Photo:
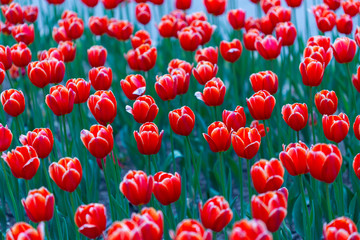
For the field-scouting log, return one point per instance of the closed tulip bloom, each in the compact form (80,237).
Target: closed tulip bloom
(339,228)
(204,72)
(90,3)
(266,26)
(23,33)
(59,34)
(133,86)
(312,72)
(140,37)
(261,105)
(30,13)
(266,80)
(209,54)
(266,5)
(267,175)
(91,220)
(110,4)
(260,127)
(356,165)
(318,53)
(271,208)
(269,48)
(120,29)
(190,39)
(13,102)
(14,72)
(167,187)
(148,139)
(336,127)
(39,205)
(2,73)
(74,27)
(50,54)
(68,49)
(325,20)
(97,56)
(137,187)
(215,7)
(55,2)
(236,18)
(218,137)
(60,100)
(333,4)
(190,229)
(234,119)
(99,140)
(66,173)
(20,55)
(26,231)
(5,57)
(142,58)
(13,13)
(6,138)
(287,32)
(326,102)
(103,106)
(143,13)
(98,25)
(182,80)
(150,222)
(254,228)
(250,38)
(166,87)
(23,162)
(168,26)
(295,115)
(177,63)
(246,142)
(344,49)
(126,229)
(57,70)
(356,80)
(68,14)
(100,78)
(39,73)
(216,213)
(81,89)
(182,4)
(357,36)
(231,51)
(292,157)
(205,29)
(213,93)
(356,127)
(41,139)
(294,3)
(324,162)
(344,24)
(350,7)
(182,121)
(144,109)
(279,14)
(252,23)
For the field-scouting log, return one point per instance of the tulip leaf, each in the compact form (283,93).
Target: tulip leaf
(298,216)
(3,220)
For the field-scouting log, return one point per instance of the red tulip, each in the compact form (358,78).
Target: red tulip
(250,38)
(339,228)
(50,54)
(215,7)
(168,26)
(269,48)
(350,7)
(344,24)
(74,27)
(150,222)
(177,63)
(111,4)
(218,137)
(234,119)
(120,29)
(204,72)
(60,100)
(182,121)
(287,32)
(6,138)
(182,80)
(143,13)
(266,80)
(66,173)
(68,14)
(336,127)
(324,162)
(333,4)
(144,109)
(279,14)
(142,58)
(157,2)
(5,57)
(99,140)
(267,175)
(261,105)
(326,102)
(41,139)
(97,56)
(133,86)
(137,187)
(166,87)
(55,2)
(325,20)
(236,18)
(91,220)
(356,127)
(13,102)
(20,54)
(213,93)
(14,72)
(292,157)
(312,72)
(190,229)
(295,115)
(57,70)
(344,49)
(100,78)
(231,51)
(23,33)
(183,4)
(271,208)
(2,73)
(13,13)
(205,29)
(140,37)
(252,23)
(26,231)
(246,142)
(103,106)
(90,3)
(356,162)
(126,229)
(293,3)
(209,54)
(98,25)
(68,50)
(266,5)
(254,228)
(196,16)
(167,187)
(39,205)
(59,34)
(81,89)
(318,53)
(190,39)
(266,26)
(260,127)
(148,139)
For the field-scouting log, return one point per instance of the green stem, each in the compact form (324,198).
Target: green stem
(27,187)
(73,206)
(306,220)
(241,188)
(312,115)
(171,142)
(298,136)
(149,164)
(330,215)
(65,135)
(18,125)
(155,163)
(8,77)
(222,175)
(108,189)
(58,226)
(196,168)
(268,140)
(248,167)
(352,87)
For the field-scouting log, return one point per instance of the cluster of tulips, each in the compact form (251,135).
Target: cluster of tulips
(299,187)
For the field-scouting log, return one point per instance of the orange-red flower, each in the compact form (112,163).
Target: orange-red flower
(266,26)
(356,165)
(133,86)
(39,73)
(100,78)
(340,228)
(287,32)
(190,38)
(99,140)
(167,187)
(292,157)
(183,4)
(148,139)
(13,13)
(182,121)
(137,187)
(126,229)
(81,89)
(51,53)
(356,80)
(218,137)
(260,127)
(68,49)
(90,3)
(336,127)
(120,29)
(103,106)
(177,63)
(294,3)
(140,37)
(190,229)
(250,38)
(333,4)
(236,18)
(215,7)
(318,53)
(98,25)
(143,13)
(325,19)
(13,102)
(97,56)
(246,142)
(5,57)
(356,127)
(66,173)
(213,93)
(41,139)
(60,100)
(312,72)
(344,49)
(231,51)
(26,231)
(209,54)
(252,23)
(74,27)
(269,47)
(324,162)
(254,228)
(266,80)
(261,105)
(2,73)
(110,4)
(279,14)
(142,58)
(59,34)
(91,220)
(39,205)
(344,24)
(295,115)
(234,119)
(166,87)
(168,26)
(144,109)
(205,29)
(266,5)
(23,33)
(267,175)
(5,138)
(350,7)
(205,71)
(326,102)
(57,70)
(150,222)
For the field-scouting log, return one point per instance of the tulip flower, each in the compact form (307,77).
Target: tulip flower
(137,187)
(142,58)
(252,23)
(336,127)
(23,230)
(148,139)
(318,53)
(356,127)
(2,73)
(57,70)
(295,115)
(250,38)
(143,13)
(356,80)
(81,89)
(269,47)
(13,102)
(231,51)
(14,72)
(167,187)
(91,220)
(68,14)
(356,165)
(266,26)
(150,222)
(97,56)
(326,102)
(6,138)
(333,4)
(215,7)
(266,5)
(344,24)
(166,87)
(99,140)
(103,105)
(120,29)
(133,86)
(236,18)
(266,80)
(140,37)
(287,32)
(41,139)
(260,127)
(20,55)
(101,78)
(60,100)
(279,14)
(234,119)
(357,36)
(209,54)
(68,49)
(255,228)
(213,93)
(261,105)
(39,205)
(168,26)
(66,173)
(205,71)
(126,229)
(312,72)
(246,142)
(177,63)
(190,228)
(13,13)
(51,53)
(110,4)
(144,109)
(325,20)
(324,162)
(340,228)
(5,57)
(350,7)
(23,33)
(74,27)
(190,39)
(294,3)
(39,73)
(90,3)
(182,121)
(218,137)
(98,25)
(292,157)
(205,29)
(271,208)
(267,175)
(182,80)
(344,49)
(182,4)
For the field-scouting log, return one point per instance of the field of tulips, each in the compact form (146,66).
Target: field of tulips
(180,119)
